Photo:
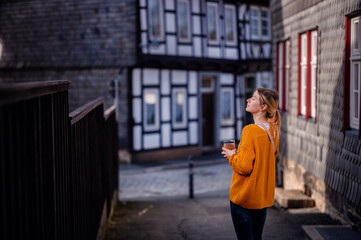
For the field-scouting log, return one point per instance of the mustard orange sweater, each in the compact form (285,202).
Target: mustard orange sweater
(253,180)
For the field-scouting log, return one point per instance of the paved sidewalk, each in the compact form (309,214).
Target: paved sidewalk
(154,204)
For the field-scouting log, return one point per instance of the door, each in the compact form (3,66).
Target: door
(249,87)
(208,119)
(208,111)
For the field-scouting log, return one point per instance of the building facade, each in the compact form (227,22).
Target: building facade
(179,71)
(316,56)
(198,61)
(89,42)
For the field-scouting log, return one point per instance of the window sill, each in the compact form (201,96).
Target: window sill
(283,112)
(310,120)
(352,133)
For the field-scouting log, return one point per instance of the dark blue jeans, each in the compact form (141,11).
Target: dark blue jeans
(248,223)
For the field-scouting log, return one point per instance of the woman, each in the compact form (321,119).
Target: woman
(253,182)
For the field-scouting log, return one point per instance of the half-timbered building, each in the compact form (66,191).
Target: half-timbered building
(316,54)
(197,62)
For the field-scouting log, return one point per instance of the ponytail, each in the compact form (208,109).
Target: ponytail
(275,123)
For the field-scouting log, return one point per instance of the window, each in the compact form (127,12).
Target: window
(212,23)
(179,107)
(282,73)
(151,110)
(184,33)
(255,31)
(227,105)
(313,64)
(265,24)
(260,23)
(307,78)
(230,22)
(355,73)
(155,12)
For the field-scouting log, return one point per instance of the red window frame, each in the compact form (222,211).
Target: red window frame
(285,95)
(346,79)
(308,74)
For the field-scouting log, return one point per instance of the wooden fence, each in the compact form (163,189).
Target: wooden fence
(58,170)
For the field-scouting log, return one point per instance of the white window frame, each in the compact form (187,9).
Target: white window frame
(187,16)
(153,37)
(280,74)
(216,17)
(355,42)
(155,126)
(230,119)
(355,73)
(313,64)
(287,72)
(355,95)
(230,26)
(283,68)
(268,20)
(257,25)
(303,64)
(183,123)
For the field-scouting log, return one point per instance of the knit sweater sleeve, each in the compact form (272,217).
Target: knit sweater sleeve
(242,162)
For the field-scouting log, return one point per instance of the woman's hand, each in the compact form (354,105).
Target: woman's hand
(227,153)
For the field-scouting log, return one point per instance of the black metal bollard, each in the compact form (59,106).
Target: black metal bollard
(190,165)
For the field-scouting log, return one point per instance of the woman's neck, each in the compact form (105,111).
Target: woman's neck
(259,118)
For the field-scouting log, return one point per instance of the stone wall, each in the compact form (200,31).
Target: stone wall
(56,33)
(317,156)
(87,42)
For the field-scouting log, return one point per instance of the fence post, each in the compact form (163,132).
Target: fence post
(190,165)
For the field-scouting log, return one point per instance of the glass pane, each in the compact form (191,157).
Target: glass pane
(179,107)
(265,28)
(356,106)
(212,21)
(356,76)
(264,14)
(150,101)
(229,25)
(304,48)
(254,14)
(303,90)
(265,23)
(356,35)
(314,47)
(287,54)
(206,83)
(254,23)
(155,18)
(182,15)
(150,114)
(226,105)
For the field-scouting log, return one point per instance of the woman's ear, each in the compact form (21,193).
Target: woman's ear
(264,107)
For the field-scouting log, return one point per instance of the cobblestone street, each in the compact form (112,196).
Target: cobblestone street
(154,182)
(153,203)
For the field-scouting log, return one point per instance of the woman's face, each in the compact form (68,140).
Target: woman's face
(254,103)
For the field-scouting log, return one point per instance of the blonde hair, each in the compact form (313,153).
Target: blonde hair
(270,98)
